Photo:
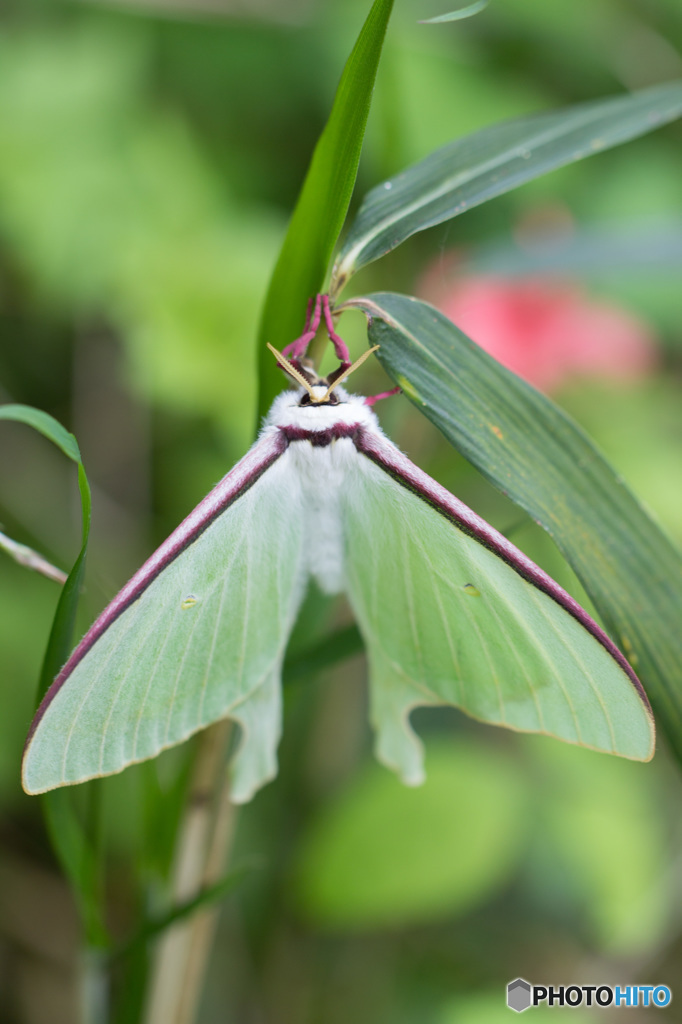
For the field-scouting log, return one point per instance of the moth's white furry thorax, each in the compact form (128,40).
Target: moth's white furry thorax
(286,411)
(320,476)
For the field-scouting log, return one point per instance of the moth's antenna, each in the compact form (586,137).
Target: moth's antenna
(291,370)
(348,371)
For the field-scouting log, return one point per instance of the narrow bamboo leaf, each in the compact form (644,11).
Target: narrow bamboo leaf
(30,559)
(46,425)
(532,451)
(463,12)
(488,163)
(322,204)
(68,836)
(208,896)
(79,862)
(61,634)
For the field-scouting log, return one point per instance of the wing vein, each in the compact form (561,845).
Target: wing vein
(588,676)
(131,661)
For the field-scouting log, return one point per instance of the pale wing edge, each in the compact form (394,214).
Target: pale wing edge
(377,447)
(232,713)
(240,478)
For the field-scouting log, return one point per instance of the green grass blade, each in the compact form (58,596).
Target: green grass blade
(46,425)
(61,634)
(462,12)
(207,897)
(69,838)
(30,559)
(322,204)
(79,860)
(469,171)
(532,451)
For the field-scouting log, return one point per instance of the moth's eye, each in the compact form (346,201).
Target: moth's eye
(471,590)
(305,400)
(334,399)
(189,601)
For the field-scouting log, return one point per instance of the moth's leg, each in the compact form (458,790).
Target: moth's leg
(296,349)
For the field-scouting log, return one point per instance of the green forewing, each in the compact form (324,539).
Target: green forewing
(205,639)
(447,621)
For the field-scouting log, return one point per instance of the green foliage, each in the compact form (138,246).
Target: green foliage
(480,167)
(69,837)
(620,872)
(488,1008)
(321,209)
(384,854)
(117,210)
(463,12)
(207,897)
(532,451)
(147,167)
(61,635)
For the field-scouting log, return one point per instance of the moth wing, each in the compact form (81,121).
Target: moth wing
(197,634)
(452,613)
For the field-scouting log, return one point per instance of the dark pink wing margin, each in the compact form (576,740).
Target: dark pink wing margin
(384,453)
(242,476)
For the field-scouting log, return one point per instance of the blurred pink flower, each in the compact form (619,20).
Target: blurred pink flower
(546,331)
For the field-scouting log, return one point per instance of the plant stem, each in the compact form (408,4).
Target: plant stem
(94,995)
(204,839)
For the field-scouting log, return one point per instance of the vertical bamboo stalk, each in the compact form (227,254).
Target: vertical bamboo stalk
(204,838)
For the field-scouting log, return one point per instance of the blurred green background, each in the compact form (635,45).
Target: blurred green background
(150,154)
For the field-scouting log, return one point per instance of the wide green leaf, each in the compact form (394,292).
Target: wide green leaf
(532,451)
(322,204)
(488,163)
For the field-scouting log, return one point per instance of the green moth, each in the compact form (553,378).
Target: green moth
(450,611)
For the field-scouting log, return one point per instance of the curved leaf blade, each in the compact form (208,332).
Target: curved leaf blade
(322,204)
(69,838)
(206,897)
(462,12)
(46,425)
(30,559)
(61,634)
(532,451)
(469,171)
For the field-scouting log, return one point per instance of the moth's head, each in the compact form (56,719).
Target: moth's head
(319,395)
(318,391)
